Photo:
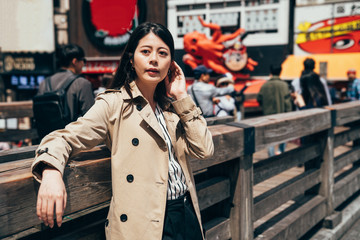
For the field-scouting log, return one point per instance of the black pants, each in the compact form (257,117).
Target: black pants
(180,220)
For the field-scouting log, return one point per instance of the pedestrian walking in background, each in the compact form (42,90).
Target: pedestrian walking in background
(150,136)
(313,93)
(80,96)
(202,92)
(352,91)
(274,97)
(224,105)
(309,66)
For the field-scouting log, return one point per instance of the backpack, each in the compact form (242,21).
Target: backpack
(51,111)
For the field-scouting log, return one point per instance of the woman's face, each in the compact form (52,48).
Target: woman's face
(152,59)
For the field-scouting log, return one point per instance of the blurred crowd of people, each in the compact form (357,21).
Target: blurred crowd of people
(308,91)
(218,99)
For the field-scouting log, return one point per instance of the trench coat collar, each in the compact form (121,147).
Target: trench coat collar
(143,107)
(134,90)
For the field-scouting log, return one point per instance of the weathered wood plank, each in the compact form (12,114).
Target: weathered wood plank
(236,194)
(243,211)
(17,109)
(17,203)
(219,120)
(278,128)
(297,223)
(272,166)
(347,158)
(10,135)
(86,186)
(13,167)
(228,142)
(346,112)
(17,154)
(347,136)
(66,218)
(327,171)
(218,229)
(213,191)
(346,187)
(277,196)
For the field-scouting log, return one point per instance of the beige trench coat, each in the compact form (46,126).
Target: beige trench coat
(139,156)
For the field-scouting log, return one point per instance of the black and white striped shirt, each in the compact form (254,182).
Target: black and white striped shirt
(176,182)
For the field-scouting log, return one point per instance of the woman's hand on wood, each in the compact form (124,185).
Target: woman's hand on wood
(175,83)
(51,197)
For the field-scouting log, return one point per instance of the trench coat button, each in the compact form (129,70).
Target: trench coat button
(135,141)
(138,107)
(130,178)
(123,217)
(106,223)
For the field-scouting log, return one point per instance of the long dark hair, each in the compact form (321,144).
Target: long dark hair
(125,74)
(313,90)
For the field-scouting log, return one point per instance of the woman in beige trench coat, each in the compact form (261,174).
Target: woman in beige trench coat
(151,127)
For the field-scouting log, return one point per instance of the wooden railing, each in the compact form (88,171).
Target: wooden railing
(225,182)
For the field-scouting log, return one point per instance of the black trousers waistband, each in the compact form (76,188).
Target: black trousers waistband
(180,221)
(180,200)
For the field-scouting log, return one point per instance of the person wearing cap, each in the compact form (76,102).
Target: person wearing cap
(224,105)
(203,92)
(274,97)
(353,89)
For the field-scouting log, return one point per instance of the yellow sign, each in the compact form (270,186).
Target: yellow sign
(19,64)
(325,32)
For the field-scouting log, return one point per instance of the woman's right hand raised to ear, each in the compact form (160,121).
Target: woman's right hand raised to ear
(51,197)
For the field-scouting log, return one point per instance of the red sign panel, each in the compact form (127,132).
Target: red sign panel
(108,23)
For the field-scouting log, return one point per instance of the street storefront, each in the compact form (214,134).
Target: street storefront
(96,67)
(27,47)
(23,72)
(103,31)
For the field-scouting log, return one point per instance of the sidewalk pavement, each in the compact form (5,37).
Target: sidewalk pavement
(350,215)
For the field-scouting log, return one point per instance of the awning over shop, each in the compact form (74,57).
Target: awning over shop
(333,66)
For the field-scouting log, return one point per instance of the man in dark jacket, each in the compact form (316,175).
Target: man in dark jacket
(80,96)
(274,97)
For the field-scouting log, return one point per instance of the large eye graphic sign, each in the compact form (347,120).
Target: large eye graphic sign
(330,35)
(327,28)
(108,23)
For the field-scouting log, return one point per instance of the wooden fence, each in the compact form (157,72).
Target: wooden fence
(224,182)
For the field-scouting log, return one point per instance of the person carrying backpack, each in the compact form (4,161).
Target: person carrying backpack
(79,96)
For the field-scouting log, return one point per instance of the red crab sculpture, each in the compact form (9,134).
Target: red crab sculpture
(224,53)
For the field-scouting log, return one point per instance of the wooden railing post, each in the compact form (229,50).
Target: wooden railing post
(327,167)
(242,211)
(327,176)
(327,172)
